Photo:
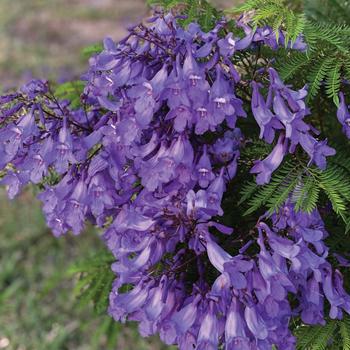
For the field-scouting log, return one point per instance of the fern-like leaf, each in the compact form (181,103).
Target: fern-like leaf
(276,14)
(317,75)
(315,337)
(288,68)
(306,336)
(302,185)
(307,195)
(95,280)
(247,191)
(324,335)
(281,196)
(333,83)
(344,330)
(273,195)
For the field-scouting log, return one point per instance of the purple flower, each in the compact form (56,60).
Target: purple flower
(255,323)
(236,268)
(185,317)
(261,112)
(39,161)
(225,148)
(147,95)
(317,150)
(14,182)
(194,77)
(100,196)
(221,97)
(74,211)
(264,168)
(131,301)
(228,45)
(175,92)
(152,157)
(64,150)
(182,116)
(217,256)
(343,115)
(34,88)
(204,172)
(208,338)
(235,334)
(132,220)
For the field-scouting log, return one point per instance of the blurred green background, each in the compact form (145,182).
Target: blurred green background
(38,308)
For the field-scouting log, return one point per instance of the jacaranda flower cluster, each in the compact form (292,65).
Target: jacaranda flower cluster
(149,157)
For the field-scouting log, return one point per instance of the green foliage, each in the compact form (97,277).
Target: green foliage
(91,50)
(328,53)
(326,36)
(333,82)
(275,13)
(200,11)
(334,335)
(344,330)
(273,195)
(326,10)
(306,195)
(303,185)
(293,65)
(70,91)
(95,279)
(317,74)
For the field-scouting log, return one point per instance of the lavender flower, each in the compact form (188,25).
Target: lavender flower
(265,168)
(152,160)
(289,111)
(343,115)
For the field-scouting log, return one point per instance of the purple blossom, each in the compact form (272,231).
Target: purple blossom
(255,323)
(235,329)
(289,111)
(153,159)
(317,150)
(265,168)
(64,150)
(146,94)
(261,112)
(343,115)
(204,170)
(208,337)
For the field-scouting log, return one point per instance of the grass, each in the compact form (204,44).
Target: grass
(44,38)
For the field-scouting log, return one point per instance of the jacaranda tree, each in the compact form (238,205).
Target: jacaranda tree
(212,151)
